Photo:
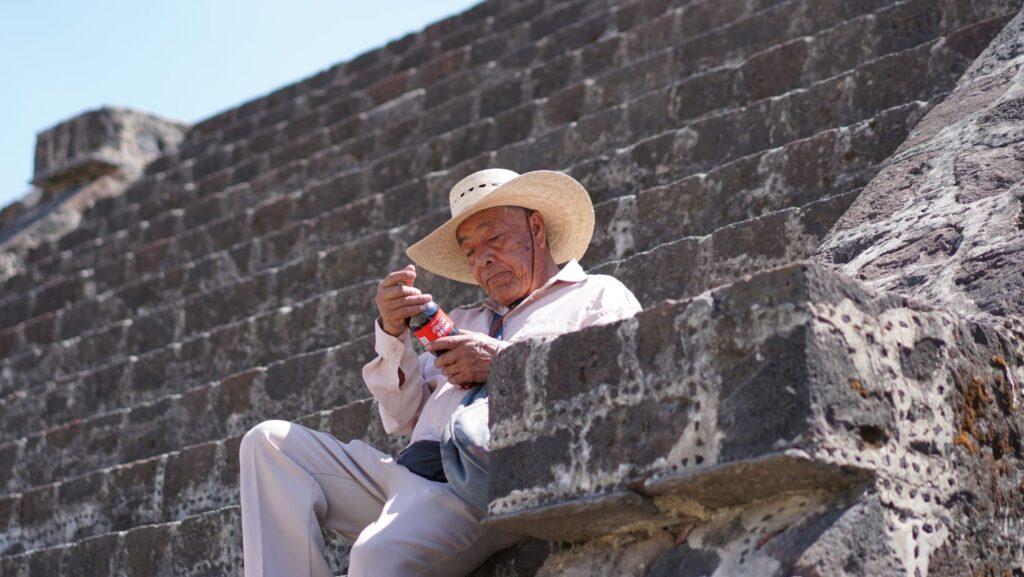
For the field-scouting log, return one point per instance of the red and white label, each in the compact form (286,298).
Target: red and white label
(439,326)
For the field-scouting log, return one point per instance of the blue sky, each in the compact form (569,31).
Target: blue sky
(185,59)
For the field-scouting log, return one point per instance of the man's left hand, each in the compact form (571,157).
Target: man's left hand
(466,357)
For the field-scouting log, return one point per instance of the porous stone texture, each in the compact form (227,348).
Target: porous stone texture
(944,220)
(793,423)
(765,415)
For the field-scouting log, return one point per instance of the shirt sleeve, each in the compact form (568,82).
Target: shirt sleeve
(613,303)
(399,404)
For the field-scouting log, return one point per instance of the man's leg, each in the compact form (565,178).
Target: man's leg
(425,530)
(293,480)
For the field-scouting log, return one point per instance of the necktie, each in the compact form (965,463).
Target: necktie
(497,328)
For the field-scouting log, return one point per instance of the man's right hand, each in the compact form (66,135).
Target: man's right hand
(398,300)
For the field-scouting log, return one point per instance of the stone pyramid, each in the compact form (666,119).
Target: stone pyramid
(816,201)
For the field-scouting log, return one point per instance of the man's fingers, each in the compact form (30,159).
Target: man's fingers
(404,305)
(400,277)
(398,291)
(464,379)
(446,343)
(405,301)
(446,359)
(408,311)
(456,376)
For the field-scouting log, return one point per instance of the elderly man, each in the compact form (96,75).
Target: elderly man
(508,234)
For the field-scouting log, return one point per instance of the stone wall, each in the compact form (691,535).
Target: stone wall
(762,416)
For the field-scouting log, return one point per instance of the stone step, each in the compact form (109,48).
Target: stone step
(688,266)
(832,154)
(620,85)
(780,122)
(835,160)
(808,21)
(141,321)
(63,289)
(206,544)
(832,161)
(371,85)
(270,136)
(171,486)
(794,398)
(163,249)
(435,61)
(149,502)
(34,361)
(322,321)
(757,424)
(762,349)
(202,545)
(47,321)
(678,269)
(792,175)
(564,38)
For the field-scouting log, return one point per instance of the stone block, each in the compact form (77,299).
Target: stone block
(131,498)
(93,556)
(775,71)
(151,331)
(146,550)
(691,265)
(190,475)
(37,505)
(785,384)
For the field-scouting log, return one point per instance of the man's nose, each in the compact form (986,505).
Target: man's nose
(486,256)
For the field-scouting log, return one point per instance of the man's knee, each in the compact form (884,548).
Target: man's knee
(266,435)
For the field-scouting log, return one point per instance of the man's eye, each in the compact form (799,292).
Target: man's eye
(495,237)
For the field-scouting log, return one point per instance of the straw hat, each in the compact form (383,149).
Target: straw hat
(564,203)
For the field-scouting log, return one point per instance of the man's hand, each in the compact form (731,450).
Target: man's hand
(466,360)
(398,300)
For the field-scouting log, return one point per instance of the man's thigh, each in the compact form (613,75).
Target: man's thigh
(352,476)
(424,530)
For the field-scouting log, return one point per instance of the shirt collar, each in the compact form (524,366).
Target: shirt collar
(571,272)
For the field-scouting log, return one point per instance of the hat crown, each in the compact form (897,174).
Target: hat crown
(476,186)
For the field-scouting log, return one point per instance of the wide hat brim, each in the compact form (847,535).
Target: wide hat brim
(565,205)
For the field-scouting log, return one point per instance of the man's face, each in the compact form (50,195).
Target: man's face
(497,242)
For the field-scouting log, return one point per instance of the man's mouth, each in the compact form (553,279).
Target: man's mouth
(496,276)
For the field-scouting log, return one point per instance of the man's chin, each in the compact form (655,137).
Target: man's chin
(505,297)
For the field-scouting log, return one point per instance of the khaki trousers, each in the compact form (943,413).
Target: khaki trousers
(293,480)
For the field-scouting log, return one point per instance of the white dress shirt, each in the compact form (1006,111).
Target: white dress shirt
(423,404)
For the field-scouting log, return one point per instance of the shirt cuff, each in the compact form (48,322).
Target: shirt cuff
(388,346)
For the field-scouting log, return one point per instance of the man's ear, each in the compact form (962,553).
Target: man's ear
(537,227)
